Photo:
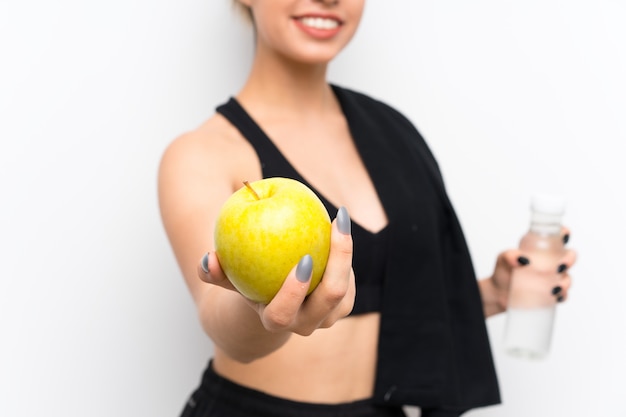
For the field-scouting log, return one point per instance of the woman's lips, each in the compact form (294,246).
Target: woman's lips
(319,27)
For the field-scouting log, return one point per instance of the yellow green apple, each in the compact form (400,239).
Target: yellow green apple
(264,229)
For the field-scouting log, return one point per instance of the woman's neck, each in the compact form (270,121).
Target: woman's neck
(277,85)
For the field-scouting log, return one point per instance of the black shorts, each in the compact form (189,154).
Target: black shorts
(219,397)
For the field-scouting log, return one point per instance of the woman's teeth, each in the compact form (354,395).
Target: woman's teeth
(319,23)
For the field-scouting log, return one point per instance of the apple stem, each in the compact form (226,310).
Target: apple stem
(247,184)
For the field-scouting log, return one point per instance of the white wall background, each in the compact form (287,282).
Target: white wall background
(513,97)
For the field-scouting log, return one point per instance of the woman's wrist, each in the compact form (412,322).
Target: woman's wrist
(234,325)
(494,301)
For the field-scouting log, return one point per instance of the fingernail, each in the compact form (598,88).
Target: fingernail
(556,290)
(561,268)
(205,263)
(343,221)
(522,260)
(304,268)
(565,239)
(559,299)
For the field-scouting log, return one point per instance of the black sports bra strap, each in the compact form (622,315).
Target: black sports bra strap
(250,130)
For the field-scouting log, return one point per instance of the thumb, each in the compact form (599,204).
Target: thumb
(513,258)
(210,271)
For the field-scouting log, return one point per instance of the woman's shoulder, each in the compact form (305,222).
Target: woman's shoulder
(377,113)
(367,102)
(374,114)
(215,131)
(215,149)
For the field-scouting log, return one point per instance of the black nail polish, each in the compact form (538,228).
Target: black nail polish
(561,268)
(559,299)
(556,290)
(565,239)
(205,263)
(522,260)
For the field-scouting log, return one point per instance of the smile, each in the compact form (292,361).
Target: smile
(320,23)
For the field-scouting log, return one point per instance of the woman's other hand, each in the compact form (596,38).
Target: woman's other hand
(495,289)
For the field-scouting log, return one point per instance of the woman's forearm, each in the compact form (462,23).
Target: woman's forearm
(235,327)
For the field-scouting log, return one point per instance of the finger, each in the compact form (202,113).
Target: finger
(565,234)
(344,308)
(514,257)
(336,280)
(567,261)
(561,291)
(281,312)
(210,271)
(570,257)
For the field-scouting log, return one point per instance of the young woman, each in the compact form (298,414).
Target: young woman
(399,317)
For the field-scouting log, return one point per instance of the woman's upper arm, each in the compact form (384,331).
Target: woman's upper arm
(193,182)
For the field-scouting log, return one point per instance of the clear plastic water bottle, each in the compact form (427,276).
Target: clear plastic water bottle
(532,306)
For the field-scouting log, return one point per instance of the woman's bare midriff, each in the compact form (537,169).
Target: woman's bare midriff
(336,364)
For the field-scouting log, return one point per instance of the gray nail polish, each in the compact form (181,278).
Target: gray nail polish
(343,221)
(205,263)
(304,268)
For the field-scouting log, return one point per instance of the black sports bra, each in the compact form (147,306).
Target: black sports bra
(370,249)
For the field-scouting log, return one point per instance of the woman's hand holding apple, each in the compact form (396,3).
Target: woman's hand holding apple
(291,310)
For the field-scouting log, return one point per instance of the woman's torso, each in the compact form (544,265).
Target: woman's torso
(336,364)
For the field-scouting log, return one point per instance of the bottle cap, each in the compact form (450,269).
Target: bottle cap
(551,204)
